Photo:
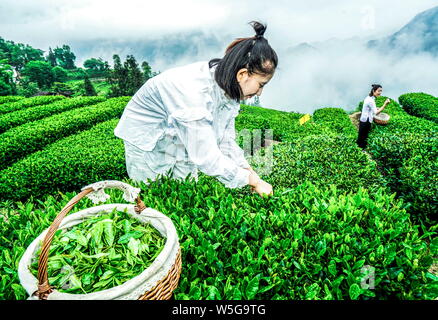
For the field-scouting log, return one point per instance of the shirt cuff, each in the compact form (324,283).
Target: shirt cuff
(240,180)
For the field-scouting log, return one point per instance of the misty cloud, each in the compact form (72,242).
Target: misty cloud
(342,76)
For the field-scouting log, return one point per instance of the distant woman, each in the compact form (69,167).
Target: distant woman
(369,110)
(182,120)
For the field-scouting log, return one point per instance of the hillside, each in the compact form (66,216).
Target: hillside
(334,209)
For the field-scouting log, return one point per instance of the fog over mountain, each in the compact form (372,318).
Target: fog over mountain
(418,36)
(339,72)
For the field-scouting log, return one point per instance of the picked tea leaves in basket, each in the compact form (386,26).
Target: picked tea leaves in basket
(111,251)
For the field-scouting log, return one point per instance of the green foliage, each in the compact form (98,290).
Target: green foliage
(100,85)
(65,58)
(394,145)
(62,88)
(27,88)
(39,72)
(28,103)
(88,86)
(23,140)
(336,119)
(8,99)
(331,214)
(125,79)
(310,243)
(147,70)
(97,67)
(323,160)
(419,182)
(13,119)
(421,105)
(97,152)
(19,54)
(51,58)
(284,126)
(59,74)
(7,85)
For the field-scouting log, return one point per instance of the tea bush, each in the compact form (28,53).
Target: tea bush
(323,160)
(421,105)
(310,243)
(336,119)
(280,122)
(394,144)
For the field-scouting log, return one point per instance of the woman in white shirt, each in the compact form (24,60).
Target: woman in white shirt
(182,120)
(369,110)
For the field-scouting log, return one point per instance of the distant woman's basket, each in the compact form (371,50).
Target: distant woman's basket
(382,118)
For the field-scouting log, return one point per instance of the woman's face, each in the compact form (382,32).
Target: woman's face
(378,92)
(253,84)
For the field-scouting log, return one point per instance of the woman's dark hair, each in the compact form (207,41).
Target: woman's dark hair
(253,53)
(374,87)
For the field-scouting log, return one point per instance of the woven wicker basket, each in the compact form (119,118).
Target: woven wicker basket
(381,118)
(161,288)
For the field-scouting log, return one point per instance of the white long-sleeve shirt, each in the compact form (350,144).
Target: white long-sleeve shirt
(369,109)
(186,111)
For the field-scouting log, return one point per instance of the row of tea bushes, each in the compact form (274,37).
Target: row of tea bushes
(67,164)
(285,126)
(420,183)
(251,118)
(14,119)
(421,105)
(28,103)
(25,139)
(321,159)
(337,120)
(395,144)
(310,243)
(7,99)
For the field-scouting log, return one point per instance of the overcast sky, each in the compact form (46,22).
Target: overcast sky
(45,23)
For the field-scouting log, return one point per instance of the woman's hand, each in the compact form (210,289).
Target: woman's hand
(258,185)
(263,188)
(252,171)
(387,101)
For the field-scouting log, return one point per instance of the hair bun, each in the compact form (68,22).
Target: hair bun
(259,28)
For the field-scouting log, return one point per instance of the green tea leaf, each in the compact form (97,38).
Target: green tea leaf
(125,238)
(252,288)
(108,231)
(133,246)
(354,291)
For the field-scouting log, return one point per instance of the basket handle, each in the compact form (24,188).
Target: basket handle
(96,194)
